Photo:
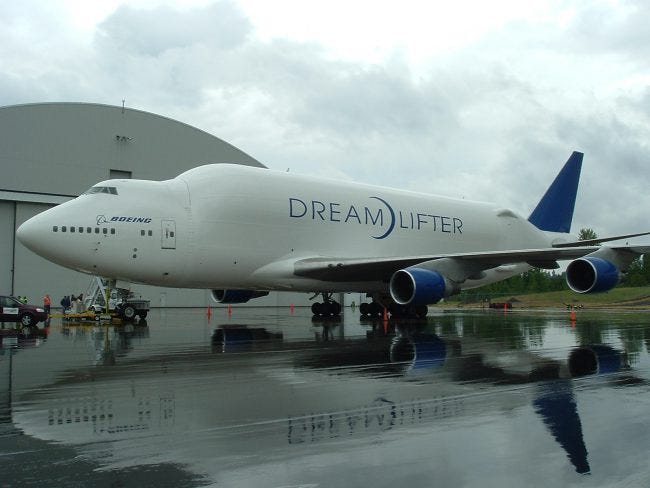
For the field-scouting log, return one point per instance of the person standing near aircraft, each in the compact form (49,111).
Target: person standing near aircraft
(65,303)
(74,305)
(47,304)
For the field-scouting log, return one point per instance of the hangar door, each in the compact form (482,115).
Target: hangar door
(7,235)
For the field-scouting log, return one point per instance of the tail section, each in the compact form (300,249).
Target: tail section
(554,212)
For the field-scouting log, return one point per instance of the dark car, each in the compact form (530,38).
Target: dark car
(13,310)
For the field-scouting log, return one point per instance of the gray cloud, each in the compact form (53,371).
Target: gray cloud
(624,30)
(152,32)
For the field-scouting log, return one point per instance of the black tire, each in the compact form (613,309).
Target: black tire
(325,309)
(376,310)
(396,311)
(27,320)
(421,311)
(364,309)
(335,308)
(143,314)
(128,312)
(316,308)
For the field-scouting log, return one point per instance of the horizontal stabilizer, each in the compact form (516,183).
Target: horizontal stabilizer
(554,212)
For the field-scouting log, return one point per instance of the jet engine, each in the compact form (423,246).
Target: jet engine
(418,286)
(592,274)
(236,296)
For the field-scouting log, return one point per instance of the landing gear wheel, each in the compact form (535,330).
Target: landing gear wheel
(408,311)
(397,310)
(364,308)
(373,309)
(327,308)
(376,309)
(421,311)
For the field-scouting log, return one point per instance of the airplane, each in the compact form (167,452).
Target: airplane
(243,232)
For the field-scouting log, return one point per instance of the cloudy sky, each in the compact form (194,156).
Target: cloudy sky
(471,99)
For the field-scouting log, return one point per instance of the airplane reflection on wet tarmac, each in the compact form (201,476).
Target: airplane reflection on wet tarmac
(364,389)
(423,356)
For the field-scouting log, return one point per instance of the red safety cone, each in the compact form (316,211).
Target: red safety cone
(292,307)
(229,309)
(209,312)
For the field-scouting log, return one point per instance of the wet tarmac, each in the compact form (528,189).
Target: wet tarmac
(264,398)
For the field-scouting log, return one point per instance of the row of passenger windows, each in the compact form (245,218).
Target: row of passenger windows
(88,230)
(97,230)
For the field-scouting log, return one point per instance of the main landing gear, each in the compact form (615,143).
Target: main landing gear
(408,311)
(375,309)
(328,308)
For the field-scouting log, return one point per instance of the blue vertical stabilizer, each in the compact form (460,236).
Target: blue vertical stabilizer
(554,211)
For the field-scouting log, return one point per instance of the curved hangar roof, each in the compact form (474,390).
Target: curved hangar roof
(64,148)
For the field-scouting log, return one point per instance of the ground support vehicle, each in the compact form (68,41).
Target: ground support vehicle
(122,302)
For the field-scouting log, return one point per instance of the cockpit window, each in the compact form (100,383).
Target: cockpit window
(111,190)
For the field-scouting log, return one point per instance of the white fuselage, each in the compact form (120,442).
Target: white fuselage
(231,226)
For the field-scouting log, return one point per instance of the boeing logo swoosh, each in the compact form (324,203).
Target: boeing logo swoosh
(392,219)
(101,219)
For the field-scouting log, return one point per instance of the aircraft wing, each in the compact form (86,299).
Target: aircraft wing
(381,269)
(591,242)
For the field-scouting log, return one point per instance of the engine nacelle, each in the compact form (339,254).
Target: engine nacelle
(236,296)
(417,286)
(592,275)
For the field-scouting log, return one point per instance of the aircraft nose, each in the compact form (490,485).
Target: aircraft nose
(32,234)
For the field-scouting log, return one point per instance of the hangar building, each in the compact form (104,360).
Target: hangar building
(53,152)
